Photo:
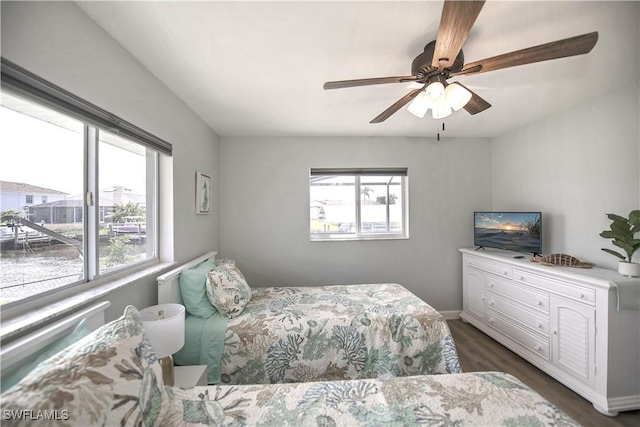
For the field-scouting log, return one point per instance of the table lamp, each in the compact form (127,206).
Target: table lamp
(164,326)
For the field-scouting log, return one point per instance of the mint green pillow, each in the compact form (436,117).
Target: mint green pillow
(193,290)
(80,331)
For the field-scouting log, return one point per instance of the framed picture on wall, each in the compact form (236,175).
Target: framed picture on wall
(203,193)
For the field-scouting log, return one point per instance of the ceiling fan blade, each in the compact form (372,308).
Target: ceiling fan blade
(572,46)
(396,106)
(476,104)
(365,82)
(456,22)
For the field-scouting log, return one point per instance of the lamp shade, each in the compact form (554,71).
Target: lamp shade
(435,93)
(164,325)
(418,107)
(457,96)
(441,111)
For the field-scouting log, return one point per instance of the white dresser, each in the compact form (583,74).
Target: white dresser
(563,320)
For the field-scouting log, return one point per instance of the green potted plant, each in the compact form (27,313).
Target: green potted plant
(622,234)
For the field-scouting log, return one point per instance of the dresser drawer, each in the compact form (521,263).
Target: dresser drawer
(533,343)
(527,318)
(500,270)
(523,294)
(574,292)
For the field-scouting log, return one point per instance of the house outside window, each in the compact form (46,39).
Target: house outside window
(107,223)
(29,199)
(358,204)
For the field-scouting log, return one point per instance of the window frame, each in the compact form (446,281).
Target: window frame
(23,84)
(357,174)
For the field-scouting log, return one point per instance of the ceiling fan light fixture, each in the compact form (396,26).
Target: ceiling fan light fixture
(419,106)
(457,96)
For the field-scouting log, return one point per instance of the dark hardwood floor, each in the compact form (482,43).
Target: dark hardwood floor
(478,352)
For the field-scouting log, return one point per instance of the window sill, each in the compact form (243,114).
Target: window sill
(22,321)
(357,238)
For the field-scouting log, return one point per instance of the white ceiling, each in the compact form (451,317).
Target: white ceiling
(257,68)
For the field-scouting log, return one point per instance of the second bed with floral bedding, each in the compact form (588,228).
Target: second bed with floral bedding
(323,333)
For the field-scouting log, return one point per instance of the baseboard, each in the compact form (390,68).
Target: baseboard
(624,403)
(451,315)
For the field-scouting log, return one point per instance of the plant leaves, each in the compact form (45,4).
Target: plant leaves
(621,227)
(623,245)
(614,217)
(608,234)
(614,253)
(622,234)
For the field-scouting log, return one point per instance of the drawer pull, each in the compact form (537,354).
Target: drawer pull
(506,273)
(491,302)
(555,332)
(580,295)
(537,301)
(538,347)
(491,320)
(538,325)
(491,285)
(522,278)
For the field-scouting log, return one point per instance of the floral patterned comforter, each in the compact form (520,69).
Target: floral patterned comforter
(340,332)
(483,399)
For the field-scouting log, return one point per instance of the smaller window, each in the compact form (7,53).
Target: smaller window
(29,200)
(358,204)
(44,199)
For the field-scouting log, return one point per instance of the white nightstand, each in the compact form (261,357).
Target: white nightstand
(189,376)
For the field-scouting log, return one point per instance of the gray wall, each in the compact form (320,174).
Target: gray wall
(575,167)
(264,199)
(60,43)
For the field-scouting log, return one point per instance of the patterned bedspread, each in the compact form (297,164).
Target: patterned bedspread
(341,332)
(482,399)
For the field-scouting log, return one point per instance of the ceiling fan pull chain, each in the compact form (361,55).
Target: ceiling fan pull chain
(438,134)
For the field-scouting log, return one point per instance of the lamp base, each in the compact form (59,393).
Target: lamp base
(166,363)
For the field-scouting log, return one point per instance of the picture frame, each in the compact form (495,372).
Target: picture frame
(203,193)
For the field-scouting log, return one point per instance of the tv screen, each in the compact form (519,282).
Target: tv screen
(512,231)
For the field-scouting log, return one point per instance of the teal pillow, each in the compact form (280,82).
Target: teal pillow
(80,331)
(193,290)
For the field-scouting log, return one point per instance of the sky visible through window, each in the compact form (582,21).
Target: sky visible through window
(32,148)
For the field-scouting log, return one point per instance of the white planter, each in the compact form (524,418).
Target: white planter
(629,269)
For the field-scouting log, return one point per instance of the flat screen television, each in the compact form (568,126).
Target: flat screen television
(512,231)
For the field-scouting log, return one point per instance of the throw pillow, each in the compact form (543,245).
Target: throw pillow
(111,377)
(228,290)
(193,292)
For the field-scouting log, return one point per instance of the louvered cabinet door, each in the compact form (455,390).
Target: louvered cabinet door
(474,293)
(573,338)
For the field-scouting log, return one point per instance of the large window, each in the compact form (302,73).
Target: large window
(98,212)
(358,204)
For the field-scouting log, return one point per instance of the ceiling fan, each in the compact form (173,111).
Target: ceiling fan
(443,59)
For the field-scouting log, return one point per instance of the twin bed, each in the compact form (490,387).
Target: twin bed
(301,334)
